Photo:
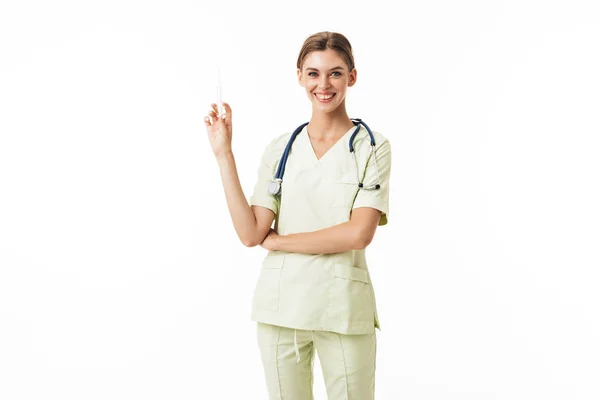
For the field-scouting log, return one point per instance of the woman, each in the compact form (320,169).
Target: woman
(314,291)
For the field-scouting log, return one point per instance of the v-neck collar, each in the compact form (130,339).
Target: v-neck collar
(342,139)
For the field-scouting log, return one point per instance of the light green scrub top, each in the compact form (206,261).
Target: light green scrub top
(331,292)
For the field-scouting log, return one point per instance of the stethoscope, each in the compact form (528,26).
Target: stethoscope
(274,187)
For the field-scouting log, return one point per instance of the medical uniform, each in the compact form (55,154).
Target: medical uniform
(318,300)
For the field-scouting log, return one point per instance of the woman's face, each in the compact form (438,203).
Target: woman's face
(325,77)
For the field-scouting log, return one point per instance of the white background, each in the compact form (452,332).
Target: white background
(121,275)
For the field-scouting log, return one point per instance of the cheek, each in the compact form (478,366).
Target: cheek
(342,85)
(310,89)
(310,86)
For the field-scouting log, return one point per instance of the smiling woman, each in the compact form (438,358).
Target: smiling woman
(325,69)
(313,73)
(314,290)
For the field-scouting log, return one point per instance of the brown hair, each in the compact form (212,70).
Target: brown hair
(327,40)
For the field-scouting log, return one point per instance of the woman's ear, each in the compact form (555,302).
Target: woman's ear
(300,80)
(352,77)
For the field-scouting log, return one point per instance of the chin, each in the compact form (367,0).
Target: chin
(328,108)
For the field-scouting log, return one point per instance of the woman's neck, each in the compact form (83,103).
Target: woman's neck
(329,126)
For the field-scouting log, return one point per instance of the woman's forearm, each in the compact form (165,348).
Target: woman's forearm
(355,234)
(242,216)
(334,239)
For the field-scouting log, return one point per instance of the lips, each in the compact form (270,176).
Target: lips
(324,97)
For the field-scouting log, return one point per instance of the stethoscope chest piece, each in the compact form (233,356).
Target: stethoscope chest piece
(274,187)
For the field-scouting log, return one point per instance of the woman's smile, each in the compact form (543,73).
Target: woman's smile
(325,98)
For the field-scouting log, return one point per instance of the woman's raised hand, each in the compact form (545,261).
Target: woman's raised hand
(219,129)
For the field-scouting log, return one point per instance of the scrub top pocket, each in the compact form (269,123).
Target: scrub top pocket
(345,189)
(266,293)
(350,294)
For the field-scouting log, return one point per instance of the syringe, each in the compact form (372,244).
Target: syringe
(220,108)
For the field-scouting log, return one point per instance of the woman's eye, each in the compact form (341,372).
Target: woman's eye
(334,72)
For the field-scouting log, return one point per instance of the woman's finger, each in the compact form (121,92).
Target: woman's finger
(227,110)
(212,115)
(225,116)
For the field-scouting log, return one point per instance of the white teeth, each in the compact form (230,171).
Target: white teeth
(322,97)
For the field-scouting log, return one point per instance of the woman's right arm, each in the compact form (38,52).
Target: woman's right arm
(251,224)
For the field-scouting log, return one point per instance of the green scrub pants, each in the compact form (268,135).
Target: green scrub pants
(347,362)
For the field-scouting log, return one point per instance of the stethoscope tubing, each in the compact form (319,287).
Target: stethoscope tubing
(283,161)
(288,147)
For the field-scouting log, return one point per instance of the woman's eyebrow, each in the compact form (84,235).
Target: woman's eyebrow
(332,69)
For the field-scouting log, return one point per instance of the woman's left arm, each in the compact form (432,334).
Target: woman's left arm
(355,234)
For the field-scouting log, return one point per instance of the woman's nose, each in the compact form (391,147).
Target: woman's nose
(324,82)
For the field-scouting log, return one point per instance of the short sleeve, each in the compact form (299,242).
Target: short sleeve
(266,172)
(377,198)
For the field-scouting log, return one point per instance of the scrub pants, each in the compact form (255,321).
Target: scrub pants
(347,362)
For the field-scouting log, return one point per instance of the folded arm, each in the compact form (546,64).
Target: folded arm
(355,234)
